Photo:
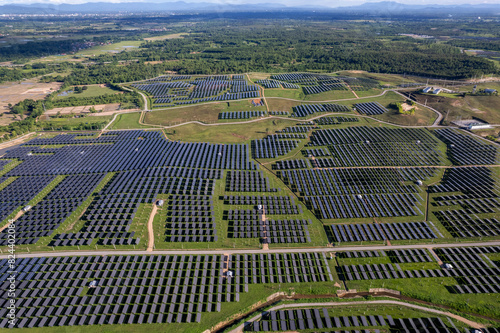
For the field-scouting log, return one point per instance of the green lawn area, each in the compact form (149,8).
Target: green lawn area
(368,93)
(284,93)
(169,36)
(92,91)
(73,122)
(298,94)
(383,79)
(128,120)
(330,95)
(278,104)
(114,48)
(231,133)
(205,113)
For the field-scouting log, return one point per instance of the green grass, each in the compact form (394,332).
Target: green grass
(169,36)
(205,113)
(422,117)
(278,104)
(111,48)
(330,95)
(383,79)
(91,91)
(9,167)
(88,120)
(368,93)
(128,120)
(231,133)
(284,93)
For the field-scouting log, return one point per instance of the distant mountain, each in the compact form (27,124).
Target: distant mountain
(384,8)
(150,6)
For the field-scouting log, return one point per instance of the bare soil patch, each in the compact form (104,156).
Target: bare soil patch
(13,93)
(407,107)
(101,108)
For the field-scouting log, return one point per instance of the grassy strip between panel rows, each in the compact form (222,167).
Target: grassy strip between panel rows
(71,224)
(39,197)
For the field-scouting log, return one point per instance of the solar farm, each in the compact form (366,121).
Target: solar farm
(125,227)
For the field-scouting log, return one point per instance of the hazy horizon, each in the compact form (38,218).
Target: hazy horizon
(324,3)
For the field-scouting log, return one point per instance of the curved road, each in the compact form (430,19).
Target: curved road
(468,322)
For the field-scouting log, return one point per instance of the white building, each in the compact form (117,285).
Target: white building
(476,126)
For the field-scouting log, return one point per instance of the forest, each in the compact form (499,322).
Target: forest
(242,48)
(219,46)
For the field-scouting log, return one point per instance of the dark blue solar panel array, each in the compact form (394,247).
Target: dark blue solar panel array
(304,110)
(143,289)
(191,219)
(168,92)
(312,83)
(473,270)
(3,163)
(131,150)
(335,120)
(380,231)
(46,216)
(319,320)
(272,146)
(357,193)
(464,149)
(269,83)
(110,214)
(466,194)
(370,146)
(370,108)
(241,114)
(20,192)
(146,164)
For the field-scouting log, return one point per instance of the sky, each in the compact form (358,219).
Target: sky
(326,3)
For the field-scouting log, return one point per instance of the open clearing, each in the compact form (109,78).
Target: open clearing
(127,120)
(170,36)
(110,48)
(206,113)
(105,108)
(12,92)
(91,91)
(242,133)
(481,107)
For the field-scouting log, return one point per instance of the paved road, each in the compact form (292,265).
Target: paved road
(13,142)
(471,323)
(256,251)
